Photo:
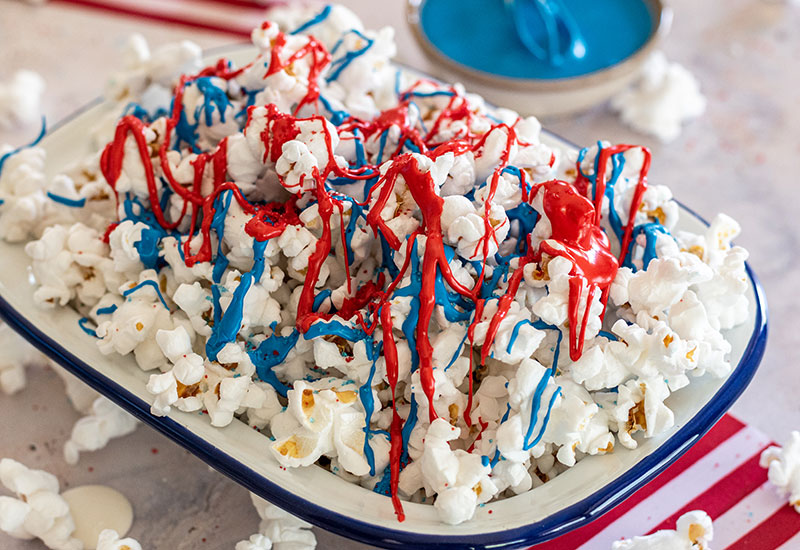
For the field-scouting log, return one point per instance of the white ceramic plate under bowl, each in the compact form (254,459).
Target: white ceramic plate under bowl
(572,499)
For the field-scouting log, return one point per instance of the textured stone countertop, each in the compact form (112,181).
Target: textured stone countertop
(742,158)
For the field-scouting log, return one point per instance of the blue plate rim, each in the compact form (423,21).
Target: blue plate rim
(559,523)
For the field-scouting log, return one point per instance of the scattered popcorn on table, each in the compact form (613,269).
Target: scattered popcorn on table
(17,354)
(379,272)
(665,96)
(783,468)
(20,100)
(105,422)
(80,395)
(278,530)
(693,531)
(109,540)
(102,420)
(38,511)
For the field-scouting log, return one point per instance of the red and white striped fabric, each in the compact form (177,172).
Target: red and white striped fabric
(720,475)
(233,17)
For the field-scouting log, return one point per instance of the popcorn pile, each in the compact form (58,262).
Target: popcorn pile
(379,272)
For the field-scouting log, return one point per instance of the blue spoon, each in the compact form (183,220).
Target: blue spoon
(548,30)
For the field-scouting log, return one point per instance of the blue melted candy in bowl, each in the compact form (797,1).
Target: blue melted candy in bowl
(481,34)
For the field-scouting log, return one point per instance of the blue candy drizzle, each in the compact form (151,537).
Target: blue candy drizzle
(83,323)
(72,203)
(316,20)
(34,143)
(107,310)
(144,284)
(650,230)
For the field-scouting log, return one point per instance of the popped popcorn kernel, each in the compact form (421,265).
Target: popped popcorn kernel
(783,468)
(693,531)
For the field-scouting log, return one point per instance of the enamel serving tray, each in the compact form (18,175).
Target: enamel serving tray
(580,495)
